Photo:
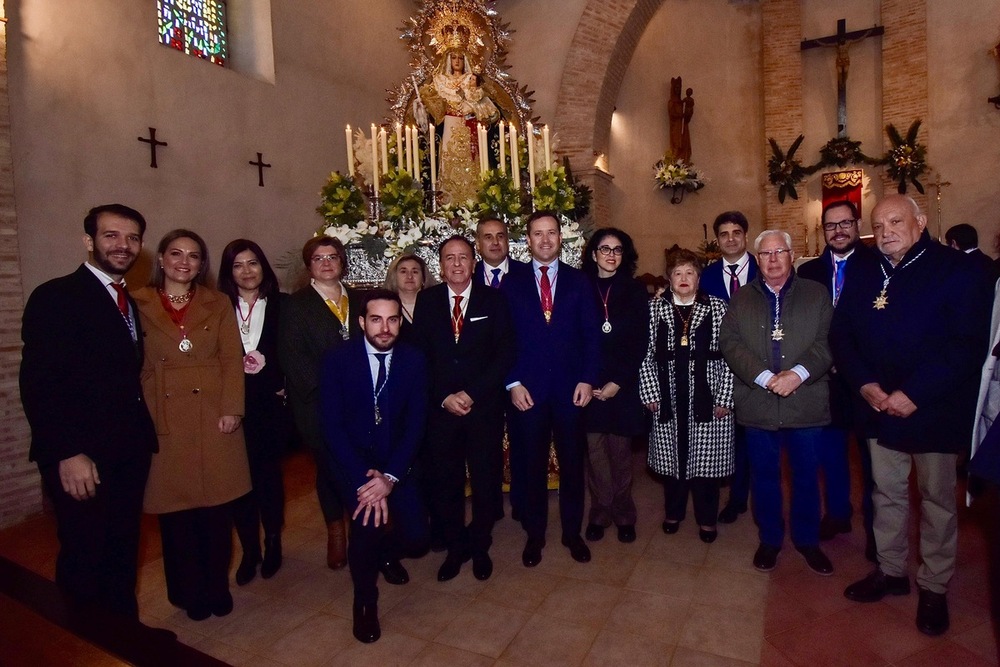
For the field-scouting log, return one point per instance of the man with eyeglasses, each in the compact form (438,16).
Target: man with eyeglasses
(910,335)
(774,338)
(843,253)
(723,279)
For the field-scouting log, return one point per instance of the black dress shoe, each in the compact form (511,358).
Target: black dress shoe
(199,611)
(626,534)
(532,554)
(272,556)
(876,586)
(830,527)
(932,613)
(482,566)
(366,627)
(393,572)
(766,558)
(707,536)
(816,560)
(671,527)
(578,549)
(731,512)
(451,566)
(594,532)
(223,606)
(247,570)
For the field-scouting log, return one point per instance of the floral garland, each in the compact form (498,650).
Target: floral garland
(904,162)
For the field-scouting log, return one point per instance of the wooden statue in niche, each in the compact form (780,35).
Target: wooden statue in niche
(680,112)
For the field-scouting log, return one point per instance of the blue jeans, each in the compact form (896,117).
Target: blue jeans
(836,473)
(764,448)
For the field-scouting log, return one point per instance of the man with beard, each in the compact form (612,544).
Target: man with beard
(843,252)
(373,402)
(910,335)
(91,433)
(494,248)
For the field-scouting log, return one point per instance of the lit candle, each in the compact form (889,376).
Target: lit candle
(503,149)
(515,157)
(482,147)
(412,146)
(350,151)
(385,150)
(374,159)
(432,139)
(529,136)
(548,152)
(399,147)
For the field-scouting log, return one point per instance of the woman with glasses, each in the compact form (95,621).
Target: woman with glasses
(318,317)
(615,415)
(688,387)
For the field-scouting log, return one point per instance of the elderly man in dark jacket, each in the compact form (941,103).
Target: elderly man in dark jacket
(909,335)
(774,339)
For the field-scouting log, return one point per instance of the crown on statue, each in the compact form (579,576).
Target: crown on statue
(456,28)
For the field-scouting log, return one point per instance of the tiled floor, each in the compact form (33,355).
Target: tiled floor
(663,600)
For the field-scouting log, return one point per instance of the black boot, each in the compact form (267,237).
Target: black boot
(272,556)
(248,566)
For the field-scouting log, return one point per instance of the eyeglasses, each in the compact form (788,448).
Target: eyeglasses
(776,254)
(319,259)
(843,224)
(607,250)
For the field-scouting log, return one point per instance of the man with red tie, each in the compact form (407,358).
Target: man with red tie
(556,327)
(91,433)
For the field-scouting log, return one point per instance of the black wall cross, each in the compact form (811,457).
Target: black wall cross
(260,164)
(153,143)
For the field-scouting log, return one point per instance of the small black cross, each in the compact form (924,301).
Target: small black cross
(260,164)
(153,143)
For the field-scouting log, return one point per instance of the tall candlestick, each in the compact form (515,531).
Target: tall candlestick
(529,136)
(399,147)
(432,139)
(350,151)
(482,147)
(412,145)
(374,159)
(548,152)
(503,149)
(515,158)
(385,150)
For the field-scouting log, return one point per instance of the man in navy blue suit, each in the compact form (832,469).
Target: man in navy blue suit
(723,279)
(556,325)
(494,248)
(373,402)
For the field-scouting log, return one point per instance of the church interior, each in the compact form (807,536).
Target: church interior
(94,108)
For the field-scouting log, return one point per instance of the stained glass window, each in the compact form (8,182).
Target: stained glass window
(197,27)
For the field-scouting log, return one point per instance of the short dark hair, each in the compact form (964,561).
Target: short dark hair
(170,237)
(379,294)
(228,286)
(318,242)
(837,204)
(90,222)
(683,256)
(734,217)
(392,283)
(488,217)
(457,237)
(630,257)
(538,215)
(964,235)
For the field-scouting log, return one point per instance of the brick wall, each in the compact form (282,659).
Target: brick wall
(20,490)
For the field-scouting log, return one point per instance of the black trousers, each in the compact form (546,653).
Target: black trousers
(452,442)
(265,504)
(197,548)
(99,537)
(704,493)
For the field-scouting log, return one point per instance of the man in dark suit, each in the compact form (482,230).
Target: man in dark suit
(556,327)
(465,331)
(843,253)
(723,279)
(91,433)
(373,403)
(964,237)
(493,246)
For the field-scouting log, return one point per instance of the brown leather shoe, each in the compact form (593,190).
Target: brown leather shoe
(336,545)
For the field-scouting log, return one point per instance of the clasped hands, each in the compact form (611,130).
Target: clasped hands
(784,383)
(372,499)
(896,404)
(521,397)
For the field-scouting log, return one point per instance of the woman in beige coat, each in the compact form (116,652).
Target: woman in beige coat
(192,380)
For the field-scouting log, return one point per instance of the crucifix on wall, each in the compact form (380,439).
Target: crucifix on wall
(842,40)
(261,166)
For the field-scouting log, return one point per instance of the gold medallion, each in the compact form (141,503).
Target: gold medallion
(684,341)
(548,316)
(778,333)
(881,301)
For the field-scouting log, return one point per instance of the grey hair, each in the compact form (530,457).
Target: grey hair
(772,232)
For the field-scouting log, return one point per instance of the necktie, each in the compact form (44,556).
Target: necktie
(838,279)
(122,301)
(546,288)
(734,281)
(380,379)
(496,278)
(456,318)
